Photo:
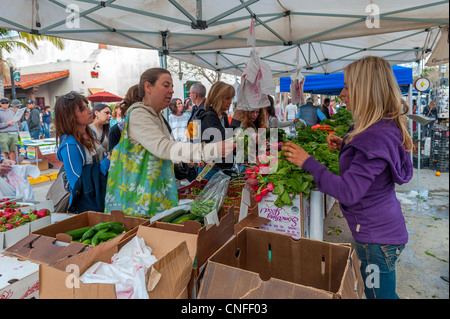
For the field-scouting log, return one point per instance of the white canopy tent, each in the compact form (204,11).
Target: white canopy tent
(213,33)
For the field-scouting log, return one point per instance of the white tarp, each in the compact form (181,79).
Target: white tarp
(213,33)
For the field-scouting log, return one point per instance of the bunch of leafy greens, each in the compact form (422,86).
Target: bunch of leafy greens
(289,179)
(340,121)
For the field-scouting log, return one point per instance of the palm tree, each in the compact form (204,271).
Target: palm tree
(11,40)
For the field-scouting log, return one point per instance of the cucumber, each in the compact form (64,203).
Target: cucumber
(106,236)
(86,241)
(184,218)
(88,234)
(94,241)
(77,233)
(118,229)
(173,216)
(100,226)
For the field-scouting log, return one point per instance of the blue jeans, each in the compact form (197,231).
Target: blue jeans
(378,269)
(47,130)
(35,134)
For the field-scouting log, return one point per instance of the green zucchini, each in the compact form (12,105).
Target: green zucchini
(77,233)
(173,216)
(184,218)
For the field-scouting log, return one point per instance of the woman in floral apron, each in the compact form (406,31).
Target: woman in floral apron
(141,180)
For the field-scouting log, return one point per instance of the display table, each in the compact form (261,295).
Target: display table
(35,151)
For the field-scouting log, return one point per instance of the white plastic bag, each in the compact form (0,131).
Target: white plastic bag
(182,204)
(18,178)
(6,190)
(256,83)
(126,270)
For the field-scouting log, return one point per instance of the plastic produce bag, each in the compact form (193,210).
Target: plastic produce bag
(18,178)
(184,204)
(126,270)
(256,83)
(211,198)
(6,190)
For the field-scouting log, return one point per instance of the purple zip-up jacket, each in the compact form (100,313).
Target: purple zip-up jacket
(370,166)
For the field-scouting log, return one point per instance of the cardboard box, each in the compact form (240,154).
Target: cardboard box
(303,219)
(88,219)
(18,279)
(174,251)
(43,249)
(259,264)
(208,240)
(10,237)
(49,244)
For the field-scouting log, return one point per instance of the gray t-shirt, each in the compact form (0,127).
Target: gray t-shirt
(291,112)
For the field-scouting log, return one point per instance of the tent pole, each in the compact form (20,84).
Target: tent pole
(411,125)
(163,64)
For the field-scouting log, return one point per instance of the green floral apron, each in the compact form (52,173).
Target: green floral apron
(139,183)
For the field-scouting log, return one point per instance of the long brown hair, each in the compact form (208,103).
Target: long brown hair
(66,122)
(260,122)
(374,94)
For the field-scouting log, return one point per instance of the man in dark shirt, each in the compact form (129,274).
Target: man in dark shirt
(325,108)
(197,93)
(34,120)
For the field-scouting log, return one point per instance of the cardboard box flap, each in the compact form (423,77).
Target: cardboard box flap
(215,236)
(87,258)
(225,282)
(250,220)
(352,286)
(173,272)
(43,249)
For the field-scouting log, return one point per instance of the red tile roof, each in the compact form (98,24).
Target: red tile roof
(28,80)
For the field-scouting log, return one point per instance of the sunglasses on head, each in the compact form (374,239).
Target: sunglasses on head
(69,96)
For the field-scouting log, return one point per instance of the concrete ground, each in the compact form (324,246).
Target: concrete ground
(426,256)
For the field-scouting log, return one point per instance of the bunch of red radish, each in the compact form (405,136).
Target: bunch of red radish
(256,176)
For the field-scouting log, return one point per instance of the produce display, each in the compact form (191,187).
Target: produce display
(340,122)
(11,217)
(97,234)
(289,180)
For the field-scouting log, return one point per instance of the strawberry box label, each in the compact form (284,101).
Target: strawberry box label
(290,220)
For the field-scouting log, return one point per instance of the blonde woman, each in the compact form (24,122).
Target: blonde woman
(373,158)
(214,121)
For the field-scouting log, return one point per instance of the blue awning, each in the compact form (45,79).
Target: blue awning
(333,83)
